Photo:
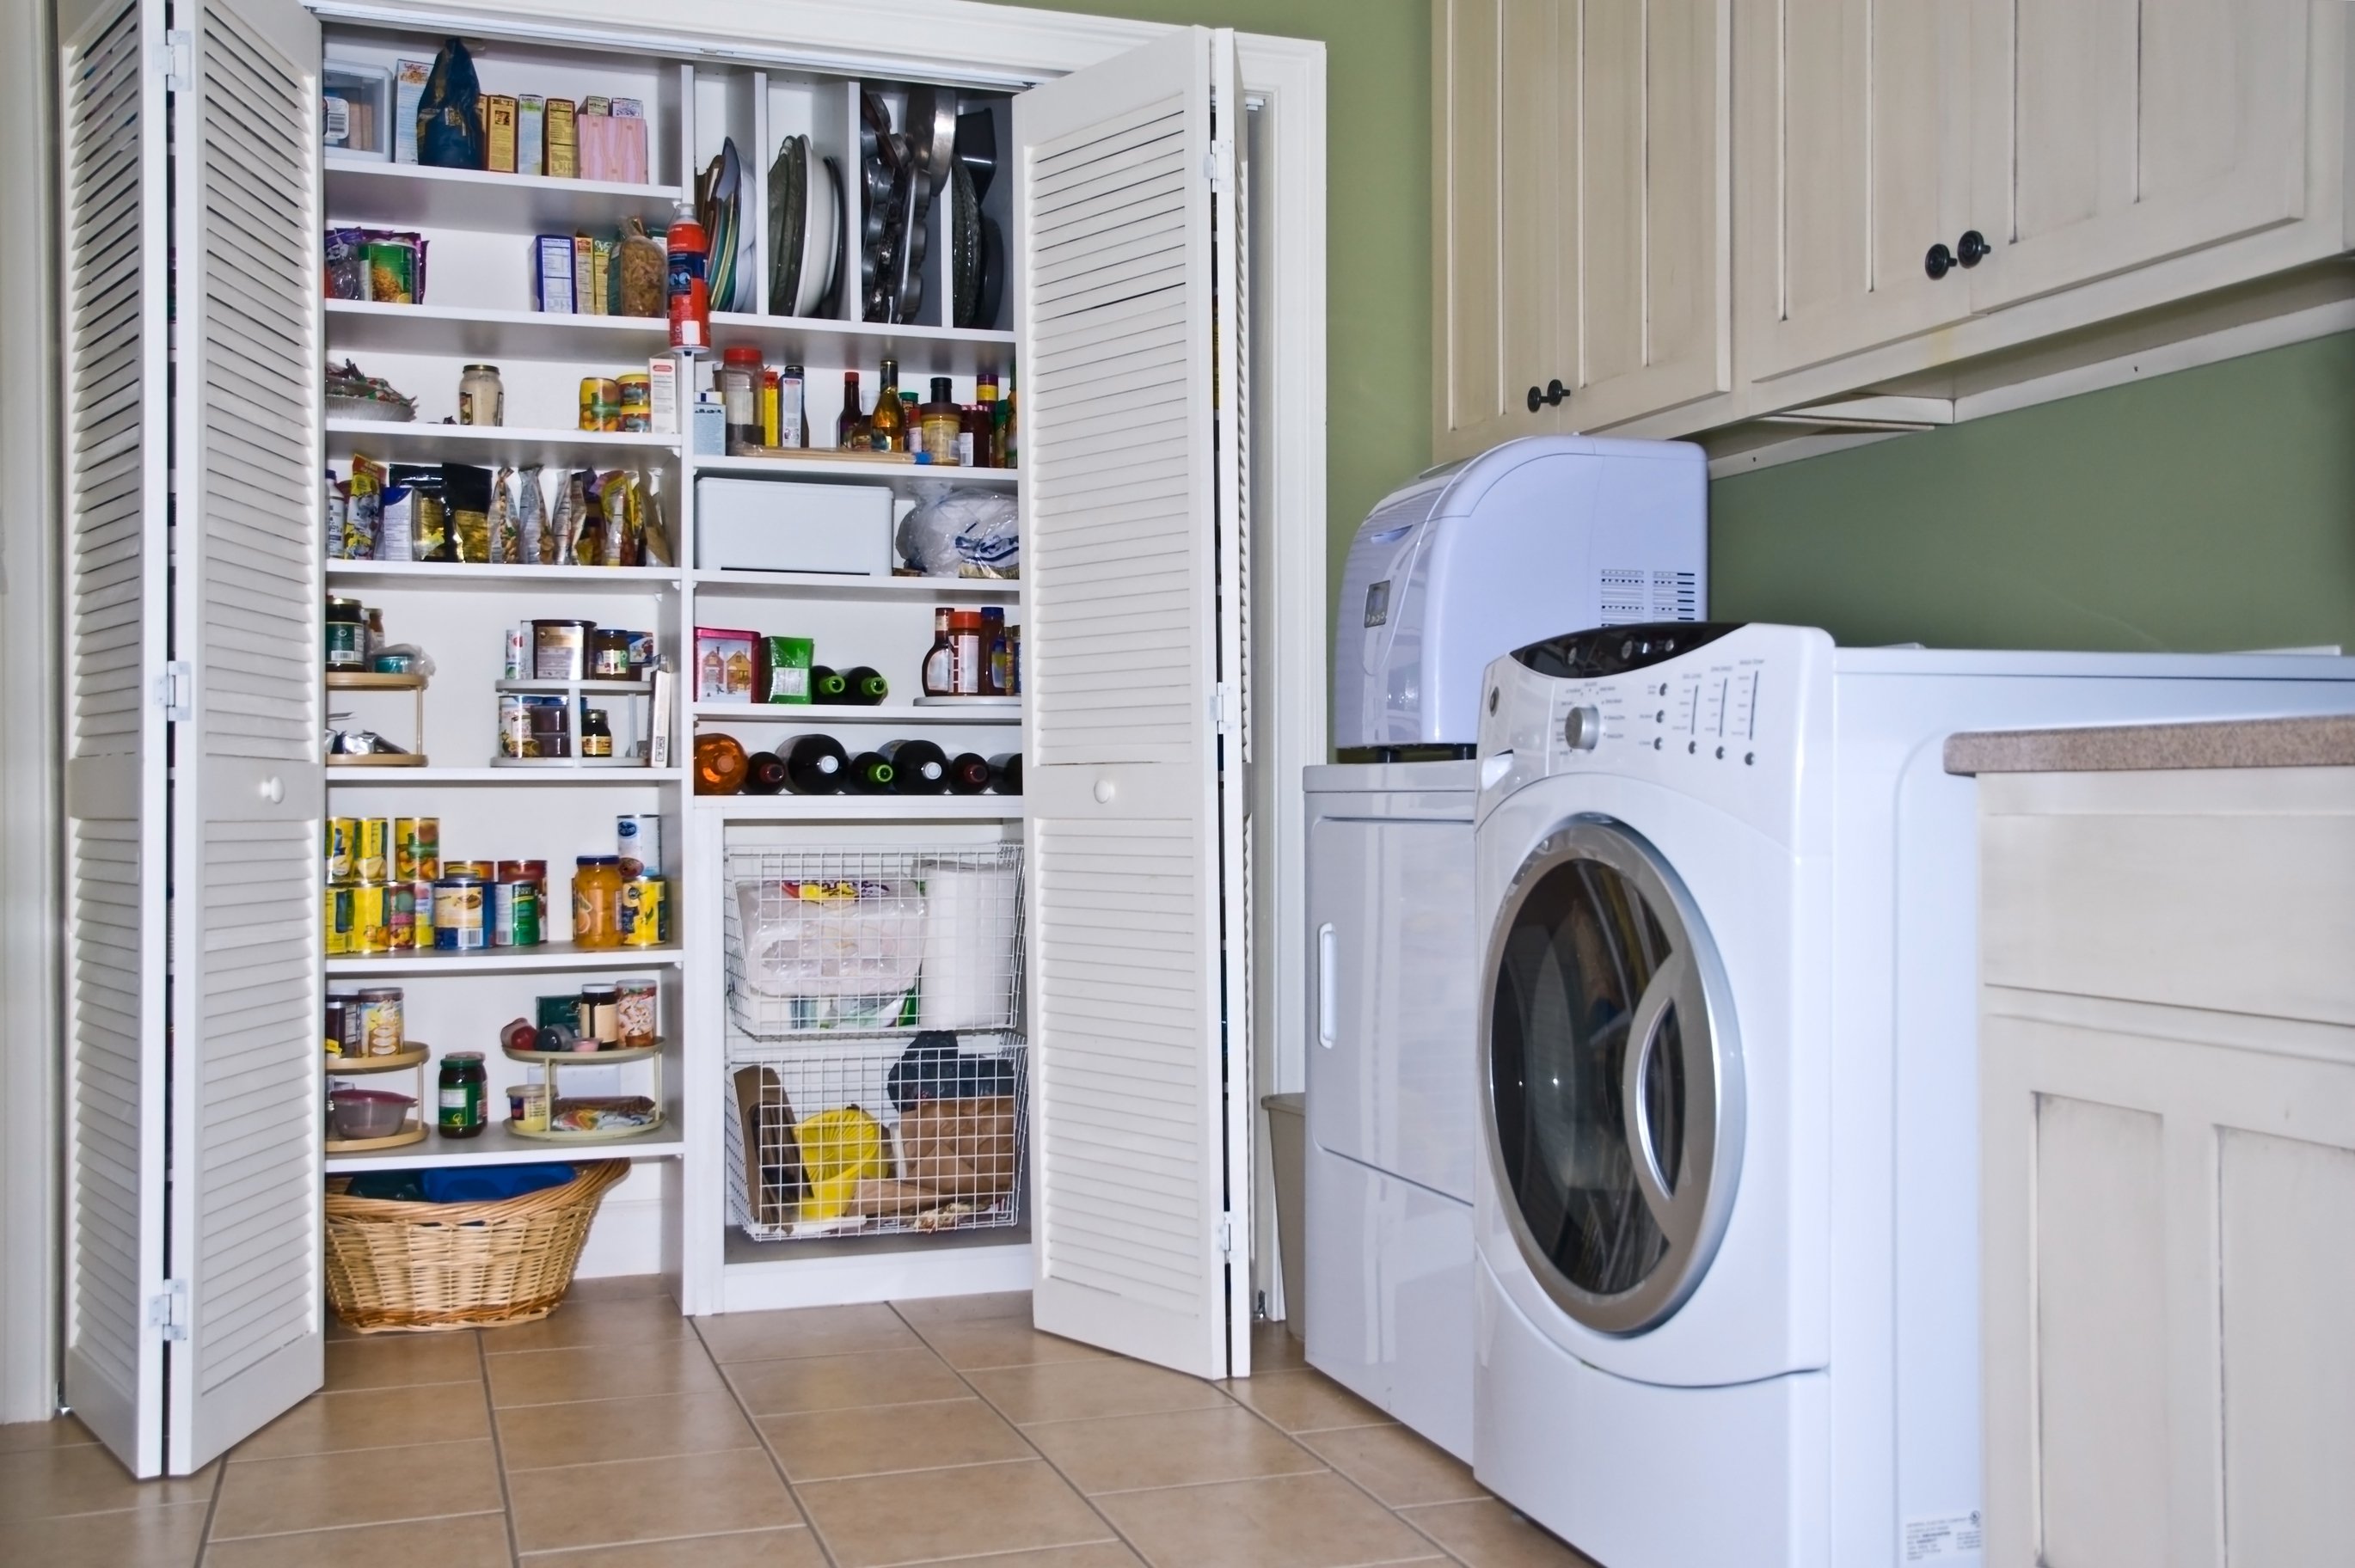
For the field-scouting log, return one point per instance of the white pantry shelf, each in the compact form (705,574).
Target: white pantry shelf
(443,576)
(497,1146)
(863,807)
(922,352)
(548,955)
(713,583)
(508,776)
(412,196)
(819,715)
(902,477)
(392,441)
(364,326)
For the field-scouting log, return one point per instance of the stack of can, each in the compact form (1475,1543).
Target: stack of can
(379,884)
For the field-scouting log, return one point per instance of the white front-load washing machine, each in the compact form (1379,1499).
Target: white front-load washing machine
(1725,1217)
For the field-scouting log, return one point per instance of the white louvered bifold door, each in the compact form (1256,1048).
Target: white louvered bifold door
(115,323)
(1128,510)
(248,786)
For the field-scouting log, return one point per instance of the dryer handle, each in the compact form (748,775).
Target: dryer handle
(1327,1001)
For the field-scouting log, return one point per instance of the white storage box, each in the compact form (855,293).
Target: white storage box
(766,525)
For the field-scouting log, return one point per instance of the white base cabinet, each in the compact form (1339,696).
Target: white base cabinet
(2167,1138)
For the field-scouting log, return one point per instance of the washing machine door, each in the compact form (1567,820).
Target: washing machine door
(1613,1078)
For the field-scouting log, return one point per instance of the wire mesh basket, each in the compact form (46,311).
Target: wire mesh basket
(876,1136)
(874,943)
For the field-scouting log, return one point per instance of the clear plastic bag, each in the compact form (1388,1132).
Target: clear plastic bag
(838,941)
(963,533)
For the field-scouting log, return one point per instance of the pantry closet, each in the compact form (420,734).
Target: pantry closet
(1092,950)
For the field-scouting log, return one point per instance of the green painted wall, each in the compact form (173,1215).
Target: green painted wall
(2211,508)
(1377,226)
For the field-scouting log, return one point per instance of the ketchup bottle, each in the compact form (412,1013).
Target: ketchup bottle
(690,289)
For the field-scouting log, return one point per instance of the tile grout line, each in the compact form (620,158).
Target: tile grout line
(212,1510)
(736,1397)
(498,1454)
(1057,1470)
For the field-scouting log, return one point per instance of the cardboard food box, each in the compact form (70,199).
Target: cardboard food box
(773,1161)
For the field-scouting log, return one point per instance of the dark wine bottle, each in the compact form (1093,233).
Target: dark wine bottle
(867,688)
(968,774)
(765,774)
(871,773)
(918,767)
(816,765)
(1005,772)
(827,685)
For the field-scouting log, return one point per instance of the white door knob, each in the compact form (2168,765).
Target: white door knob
(273,789)
(1104,792)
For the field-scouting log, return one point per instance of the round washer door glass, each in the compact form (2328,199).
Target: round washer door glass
(1613,1083)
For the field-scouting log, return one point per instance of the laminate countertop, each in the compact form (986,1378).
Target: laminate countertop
(2326,742)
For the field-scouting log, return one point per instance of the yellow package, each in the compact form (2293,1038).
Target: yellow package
(840,1149)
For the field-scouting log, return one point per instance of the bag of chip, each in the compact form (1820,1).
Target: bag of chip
(450,133)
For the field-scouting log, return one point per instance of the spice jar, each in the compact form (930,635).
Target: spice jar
(596,735)
(600,1015)
(740,396)
(461,1095)
(597,901)
(481,398)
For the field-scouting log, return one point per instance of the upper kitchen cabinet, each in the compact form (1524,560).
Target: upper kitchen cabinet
(1580,266)
(1856,157)
(2116,133)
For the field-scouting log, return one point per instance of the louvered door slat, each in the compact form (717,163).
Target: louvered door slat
(112,193)
(1118,296)
(247,806)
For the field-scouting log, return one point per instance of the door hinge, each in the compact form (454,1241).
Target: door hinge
(1218,163)
(1226,707)
(168,1310)
(176,58)
(1227,1229)
(175,689)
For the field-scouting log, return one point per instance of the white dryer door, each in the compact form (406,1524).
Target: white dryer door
(1613,1081)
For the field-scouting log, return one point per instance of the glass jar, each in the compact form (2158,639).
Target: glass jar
(597,901)
(940,425)
(596,734)
(637,1002)
(600,1015)
(740,396)
(482,400)
(461,1104)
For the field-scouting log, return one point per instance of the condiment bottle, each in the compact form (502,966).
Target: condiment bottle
(940,661)
(888,430)
(996,653)
(740,395)
(942,423)
(973,447)
(596,737)
(461,1096)
(689,287)
(965,642)
(482,400)
(849,430)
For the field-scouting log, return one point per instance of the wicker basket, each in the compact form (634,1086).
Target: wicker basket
(394,1266)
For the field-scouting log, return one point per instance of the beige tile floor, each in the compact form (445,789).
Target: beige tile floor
(619,1434)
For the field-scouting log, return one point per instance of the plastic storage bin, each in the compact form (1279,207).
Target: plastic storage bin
(767,525)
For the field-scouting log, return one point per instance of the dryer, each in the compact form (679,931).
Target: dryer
(1725,1224)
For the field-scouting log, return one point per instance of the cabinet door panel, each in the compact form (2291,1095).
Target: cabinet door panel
(2120,132)
(1467,304)
(1538,333)
(1856,157)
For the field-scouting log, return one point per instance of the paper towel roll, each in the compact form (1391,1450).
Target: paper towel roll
(969,920)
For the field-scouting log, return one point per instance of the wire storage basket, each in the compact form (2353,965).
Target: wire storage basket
(876,1064)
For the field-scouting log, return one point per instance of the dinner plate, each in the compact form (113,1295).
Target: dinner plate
(820,233)
(788,223)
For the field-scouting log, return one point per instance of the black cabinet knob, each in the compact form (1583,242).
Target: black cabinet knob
(1549,398)
(1938,262)
(1971,248)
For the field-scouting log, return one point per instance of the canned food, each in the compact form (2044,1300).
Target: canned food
(527,1108)
(417,849)
(331,1030)
(349,1001)
(532,871)
(400,915)
(336,919)
(637,401)
(420,894)
(458,926)
(372,850)
(600,1015)
(560,649)
(642,915)
(382,1032)
(635,1000)
(478,870)
(637,837)
(601,402)
(341,831)
(371,919)
(518,665)
(515,913)
(514,727)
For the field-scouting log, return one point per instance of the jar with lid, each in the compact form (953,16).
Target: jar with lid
(940,425)
(482,400)
(600,1015)
(596,733)
(635,1002)
(609,654)
(597,901)
(346,634)
(740,395)
(462,1093)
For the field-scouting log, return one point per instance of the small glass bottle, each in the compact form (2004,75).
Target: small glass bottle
(974,449)
(849,430)
(942,426)
(996,653)
(596,735)
(888,430)
(940,660)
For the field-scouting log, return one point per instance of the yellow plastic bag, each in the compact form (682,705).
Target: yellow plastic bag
(840,1149)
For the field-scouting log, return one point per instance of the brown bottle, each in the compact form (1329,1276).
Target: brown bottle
(888,430)
(849,430)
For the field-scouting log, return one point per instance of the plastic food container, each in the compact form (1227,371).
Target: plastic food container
(355,1113)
